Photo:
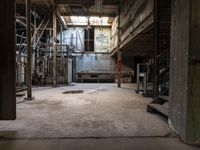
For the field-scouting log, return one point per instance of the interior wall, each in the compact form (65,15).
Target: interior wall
(74,38)
(102,39)
(94,62)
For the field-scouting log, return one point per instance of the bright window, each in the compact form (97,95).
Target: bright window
(82,20)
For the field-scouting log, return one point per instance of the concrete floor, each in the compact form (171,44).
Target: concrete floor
(96,144)
(103,117)
(103,110)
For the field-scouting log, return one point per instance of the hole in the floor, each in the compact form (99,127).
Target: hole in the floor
(73,92)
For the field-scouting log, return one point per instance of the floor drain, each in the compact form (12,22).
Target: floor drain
(73,92)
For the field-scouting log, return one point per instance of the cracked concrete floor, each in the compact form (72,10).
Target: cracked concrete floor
(103,110)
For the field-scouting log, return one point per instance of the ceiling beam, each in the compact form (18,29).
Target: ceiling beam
(90,14)
(88,2)
(58,15)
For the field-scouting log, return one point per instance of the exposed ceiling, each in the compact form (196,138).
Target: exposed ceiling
(72,8)
(87,7)
(79,7)
(87,10)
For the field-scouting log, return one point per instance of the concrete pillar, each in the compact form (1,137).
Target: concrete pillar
(184,112)
(7,60)
(119,53)
(54,47)
(29,50)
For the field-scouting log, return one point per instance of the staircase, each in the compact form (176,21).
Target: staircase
(160,103)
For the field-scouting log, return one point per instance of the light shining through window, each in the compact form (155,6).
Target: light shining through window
(93,20)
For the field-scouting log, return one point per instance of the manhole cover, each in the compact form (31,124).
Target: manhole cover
(73,92)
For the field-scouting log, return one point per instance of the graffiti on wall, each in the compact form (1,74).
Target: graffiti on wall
(102,39)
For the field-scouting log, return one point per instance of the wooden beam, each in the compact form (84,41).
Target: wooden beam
(7,61)
(119,53)
(54,47)
(61,47)
(29,50)
(57,13)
